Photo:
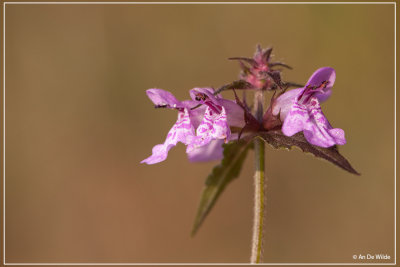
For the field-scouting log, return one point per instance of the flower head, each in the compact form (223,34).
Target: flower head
(205,118)
(300,110)
(207,121)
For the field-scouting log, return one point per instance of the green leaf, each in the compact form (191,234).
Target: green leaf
(220,177)
(278,140)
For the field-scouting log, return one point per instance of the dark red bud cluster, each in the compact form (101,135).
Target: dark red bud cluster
(259,71)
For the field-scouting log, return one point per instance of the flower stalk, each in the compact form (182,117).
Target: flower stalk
(259,187)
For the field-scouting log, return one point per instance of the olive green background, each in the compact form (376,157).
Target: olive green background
(78,123)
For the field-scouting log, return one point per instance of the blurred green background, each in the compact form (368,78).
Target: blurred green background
(78,123)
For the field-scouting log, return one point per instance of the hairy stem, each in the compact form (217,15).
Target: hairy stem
(259,182)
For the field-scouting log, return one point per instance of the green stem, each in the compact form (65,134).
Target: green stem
(259,182)
(259,201)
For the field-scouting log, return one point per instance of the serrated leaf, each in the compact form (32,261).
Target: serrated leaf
(278,140)
(220,177)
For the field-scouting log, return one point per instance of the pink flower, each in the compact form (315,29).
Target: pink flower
(198,127)
(300,110)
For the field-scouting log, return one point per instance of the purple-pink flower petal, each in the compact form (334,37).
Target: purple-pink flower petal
(182,131)
(203,95)
(325,74)
(213,126)
(295,120)
(235,113)
(212,151)
(163,98)
(321,75)
(221,128)
(206,96)
(300,110)
(284,103)
(316,128)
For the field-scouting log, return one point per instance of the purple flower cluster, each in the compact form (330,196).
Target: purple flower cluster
(204,122)
(299,109)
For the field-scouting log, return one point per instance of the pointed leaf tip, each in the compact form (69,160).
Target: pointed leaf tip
(251,61)
(267,54)
(278,140)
